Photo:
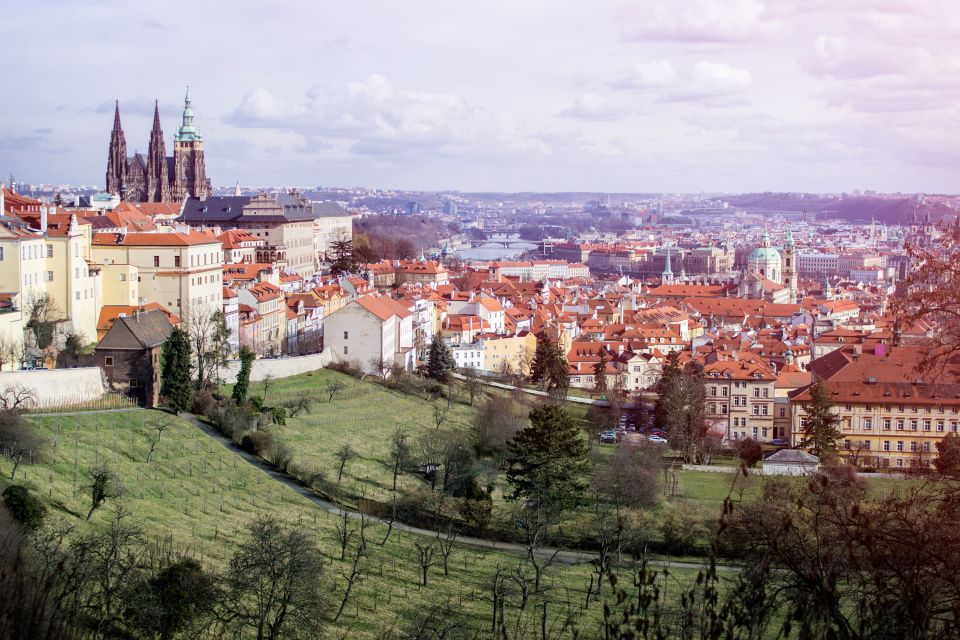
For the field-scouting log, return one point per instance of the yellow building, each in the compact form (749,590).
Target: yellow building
(508,353)
(889,416)
(181,271)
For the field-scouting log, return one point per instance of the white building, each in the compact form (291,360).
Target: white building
(369,331)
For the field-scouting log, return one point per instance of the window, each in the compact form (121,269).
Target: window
(926,425)
(866,445)
(899,445)
(886,424)
(725,391)
(867,424)
(49,276)
(133,383)
(1,253)
(346,350)
(108,361)
(346,335)
(176,261)
(846,444)
(156,261)
(49,250)
(123,277)
(899,424)
(886,445)
(783,412)
(914,424)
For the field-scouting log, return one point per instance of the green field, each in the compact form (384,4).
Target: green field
(202,496)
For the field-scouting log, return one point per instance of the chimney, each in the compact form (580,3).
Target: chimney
(857,350)
(43,219)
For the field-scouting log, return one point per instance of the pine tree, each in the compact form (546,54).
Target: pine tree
(176,370)
(548,461)
(600,372)
(820,433)
(243,376)
(439,359)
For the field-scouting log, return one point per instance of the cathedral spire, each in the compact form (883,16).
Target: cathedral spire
(117,127)
(156,115)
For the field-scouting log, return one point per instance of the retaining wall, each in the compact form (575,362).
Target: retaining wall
(279,367)
(56,387)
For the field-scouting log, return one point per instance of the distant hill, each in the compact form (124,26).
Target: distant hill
(887,210)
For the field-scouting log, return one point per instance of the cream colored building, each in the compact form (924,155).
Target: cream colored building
(54,263)
(181,271)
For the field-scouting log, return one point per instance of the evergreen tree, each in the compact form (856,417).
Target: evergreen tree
(540,364)
(243,376)
(548,462)
(600,372)
(342,258)
(680,406)
(948,455)
(820,433)
(439,359)
(558,371)
(176,370)
(669,394)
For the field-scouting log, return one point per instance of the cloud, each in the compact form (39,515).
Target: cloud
(373,117)
(137,106)
(837,57)
(590,106)
(647,74)
(694,21)
(20,142)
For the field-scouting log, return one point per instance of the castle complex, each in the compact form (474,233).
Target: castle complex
(158,177)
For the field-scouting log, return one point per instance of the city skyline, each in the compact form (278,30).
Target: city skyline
(618,97)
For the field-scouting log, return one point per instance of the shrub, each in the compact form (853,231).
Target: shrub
(681,527)
(204,403)
(309,476)
(259,443)
(25,507)
(234,423)
(278,415)
(281,455)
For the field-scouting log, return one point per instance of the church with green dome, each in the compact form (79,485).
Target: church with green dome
(770,274)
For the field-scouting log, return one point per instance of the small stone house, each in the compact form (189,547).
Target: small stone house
(129,355)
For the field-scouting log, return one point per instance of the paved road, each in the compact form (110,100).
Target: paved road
(563,556)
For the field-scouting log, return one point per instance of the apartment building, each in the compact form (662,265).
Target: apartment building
(181,271)
(889,416)
(741,397)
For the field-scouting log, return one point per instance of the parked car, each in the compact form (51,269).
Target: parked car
(608,437)
(657,439)
(659,432)
(780,442)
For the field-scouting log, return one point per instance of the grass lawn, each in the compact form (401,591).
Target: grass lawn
(202,496)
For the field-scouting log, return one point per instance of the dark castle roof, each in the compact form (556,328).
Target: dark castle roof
(218,209)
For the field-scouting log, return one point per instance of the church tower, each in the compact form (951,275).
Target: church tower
(667,276)
(189,172)
(158,183)
(117,157)
(790,267)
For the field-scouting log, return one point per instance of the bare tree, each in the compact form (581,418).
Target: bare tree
(267,382)
(471,382)
(345,532)
(357,566)
(160,424)
(16,397)
(425,557)
(103,485)
(445,543)
(380,366)
(273,583)
(344,454)
(930,299)
(209,341)
(399,454)
(440,414)
(18,441)
(299,403)
(333,387)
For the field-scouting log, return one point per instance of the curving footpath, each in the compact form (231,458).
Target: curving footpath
(564,556)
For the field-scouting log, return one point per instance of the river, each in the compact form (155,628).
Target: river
(492,250)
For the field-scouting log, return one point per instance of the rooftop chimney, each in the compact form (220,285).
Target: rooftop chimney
(43,219)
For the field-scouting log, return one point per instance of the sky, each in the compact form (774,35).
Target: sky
(514,95)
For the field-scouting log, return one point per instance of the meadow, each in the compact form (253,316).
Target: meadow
(201,495)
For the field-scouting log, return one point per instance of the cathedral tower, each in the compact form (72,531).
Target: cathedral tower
(190,174)
(117,157)
(158,184)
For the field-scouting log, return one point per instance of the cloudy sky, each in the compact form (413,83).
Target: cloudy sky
(601,95)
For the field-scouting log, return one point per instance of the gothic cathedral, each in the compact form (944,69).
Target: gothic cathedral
(158,178)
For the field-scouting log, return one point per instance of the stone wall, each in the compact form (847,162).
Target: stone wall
(279,367)
(55,387)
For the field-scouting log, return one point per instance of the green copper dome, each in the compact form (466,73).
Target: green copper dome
(188,131)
